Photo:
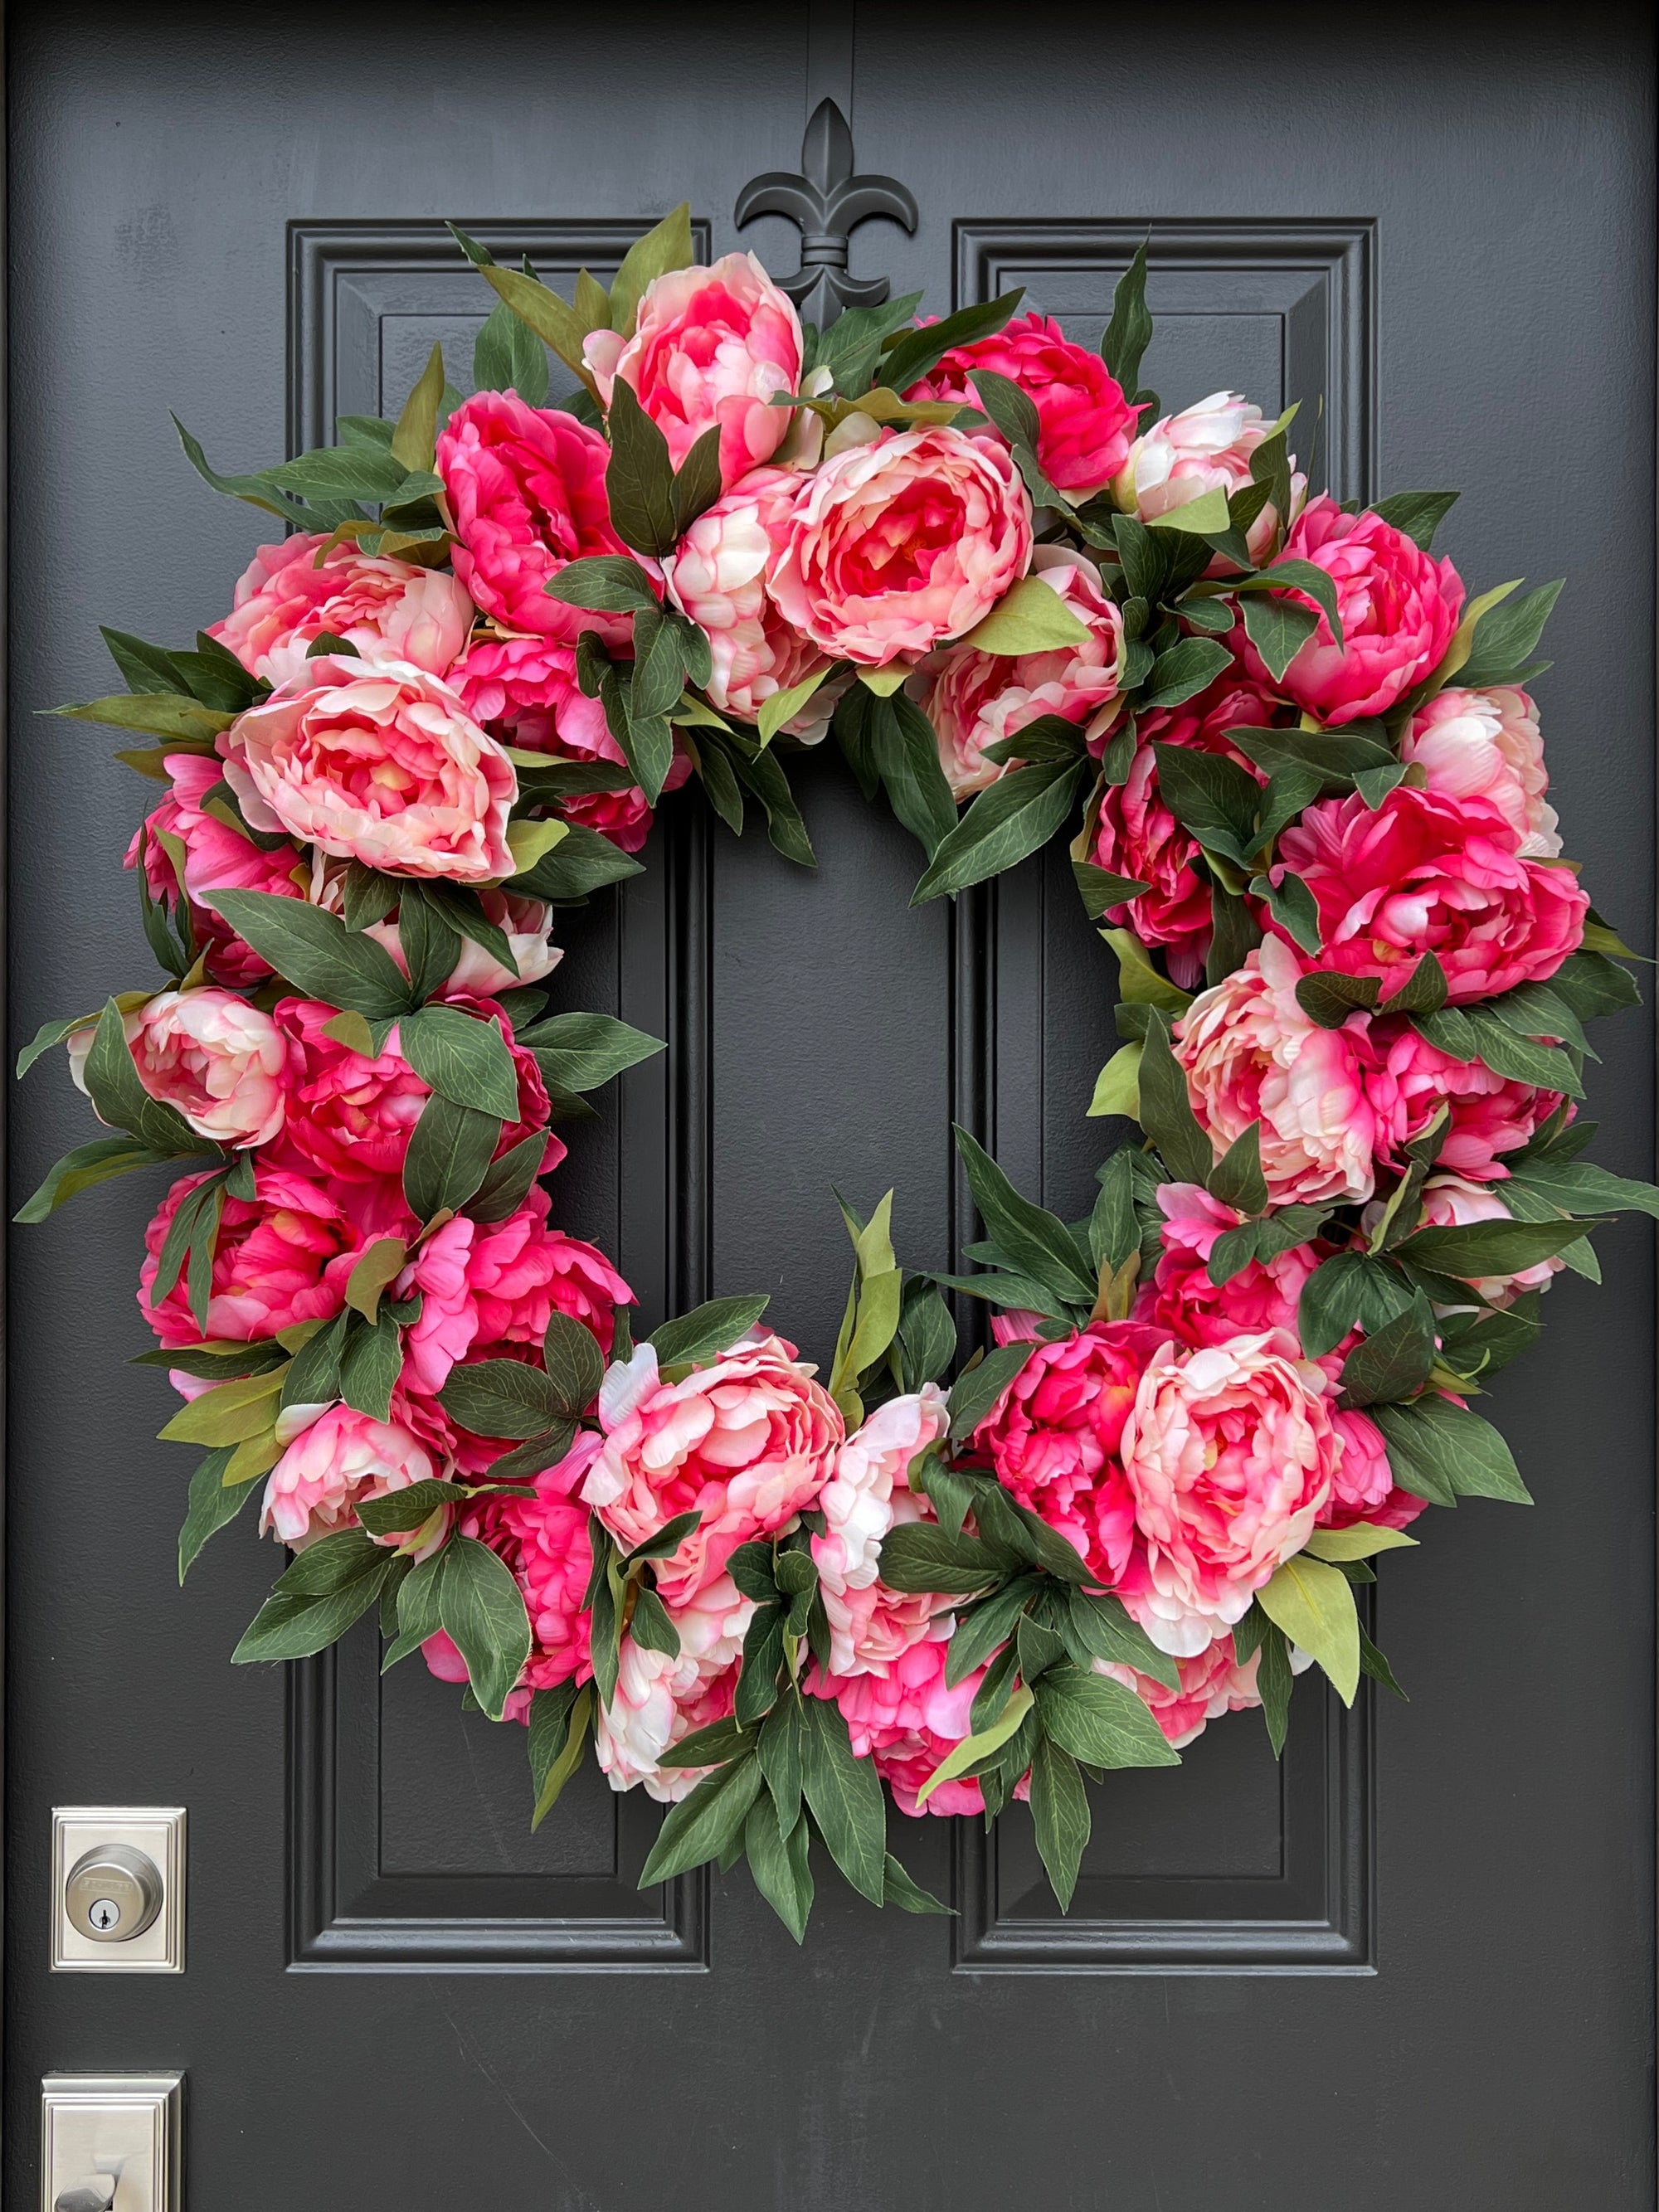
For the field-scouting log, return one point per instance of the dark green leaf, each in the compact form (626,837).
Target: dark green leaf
(918,1555)
(585,1050)
(1060,1809)
(904,749)
(482,1609)
(581,863)
(697,480)
(640,480)
(1394,1363)
(706,1330)
(1032,1239)
(86,1166)
(316,951)
(1183,671)
(463,1059)
(899,1889)
(1470,1249)
(449,1153)
(700,1826)
(370,1365)
(509,357)
(1129,332)
(1098,1720)
(1014,817)
(916,354)
(1505,637)
(1329,997)
(1419,514)
(1436,1447)
(845,1795)
(1278,629)
(1104,1631)
(1236,1180)
(501,1398)
(1166,1112)
(508,1180)
(774,1868)
(212,1503)
(977,1388)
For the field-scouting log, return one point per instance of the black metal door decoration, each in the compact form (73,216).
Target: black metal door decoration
(828,200)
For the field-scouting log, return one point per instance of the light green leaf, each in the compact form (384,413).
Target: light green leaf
(1029,617)
(1117,1087)
(973,1748)
(1361,1541)
(1314,1605)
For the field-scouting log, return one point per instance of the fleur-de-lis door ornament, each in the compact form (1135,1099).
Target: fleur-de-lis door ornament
(828,203)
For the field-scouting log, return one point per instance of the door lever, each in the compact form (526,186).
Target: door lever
(96,2194)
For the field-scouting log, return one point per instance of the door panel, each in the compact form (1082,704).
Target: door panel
(1410,1966)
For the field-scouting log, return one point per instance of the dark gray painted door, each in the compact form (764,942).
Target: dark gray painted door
(1411,1969)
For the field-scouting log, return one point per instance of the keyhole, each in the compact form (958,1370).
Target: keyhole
(105,1913)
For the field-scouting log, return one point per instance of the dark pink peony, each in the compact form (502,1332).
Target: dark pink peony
(1490,1115)
(1053,1437)
(1084,422)
(909,1720)
(282,1256)
(1426,873)
(1182,1301)
(525,490)
(216,858)
(1400,607)
(1362,1484)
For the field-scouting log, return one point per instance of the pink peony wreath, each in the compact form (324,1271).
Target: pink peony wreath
(1309,811)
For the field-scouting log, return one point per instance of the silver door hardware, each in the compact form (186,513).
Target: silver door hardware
(117,1891)
(111,2143)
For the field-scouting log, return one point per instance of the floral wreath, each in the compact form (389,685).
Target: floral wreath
(1353,973)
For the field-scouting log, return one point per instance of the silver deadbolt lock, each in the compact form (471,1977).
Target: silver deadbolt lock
(113,1893)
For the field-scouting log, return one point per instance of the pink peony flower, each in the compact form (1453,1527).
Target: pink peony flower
(1136,836)
(527,925)
(378,764)
(658,1700)
(294,592)
(342,1457)
(1228,1454)
(973,698)
(710,346)
(1398,606)
(1054,1436)
(524,690)
(1426,873)
(748,1442)
(1083,421)
(895,545)
(1485,744)
(1212,1683)
(1251,1055)
(717,576)
(216,858)
(867,1496)
(908,1720)
(1363,1485)
(1206,447)
(282,1256)
(1182,1301)
(352,1117)
(208,1054)
(526,492)
(1450,1202)
(1490,1115)
(544,1540)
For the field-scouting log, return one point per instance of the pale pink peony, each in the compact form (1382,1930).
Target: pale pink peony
(658,1699)
(527,925)
(1251,1055)
(1485,744)
(866,1497)
(748,1442)
(544,1542)
(1400,607)
(1182,1301)
(378,764)
(1212,1683)
(208,1054)
(343,1457)
(908,1719)
(1489,1113)
(973,698)
(1136,836)
(389,610)
(216,858)
(1423,872)
(1363,1485)
(524,487)
(524,690)
(710,346)
(1206,447)
(1084,422)
(1450,1201)
(1054,1437)
(282,1256)
(717,576)
(1228,1453)
(896,545)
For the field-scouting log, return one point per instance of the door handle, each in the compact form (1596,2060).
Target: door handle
(96,2194)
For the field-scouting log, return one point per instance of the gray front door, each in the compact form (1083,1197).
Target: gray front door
(1410,1967)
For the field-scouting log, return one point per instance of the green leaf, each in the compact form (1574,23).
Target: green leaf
(845,1795)
(1210,796)
(449,1151)
(463,1059)
(780,1740)
(981,1744)
(1475,1249)
(501,1398)
(640,480)
(1275,1681)
(1314,1605)
(920,1556)
(212,1505)
(1060,1808)
(916,354)
(332,1584)
(1580,1187)
(1030,617)
(1418,514)
(1362,1541)
(1100,889)
(984,1628)
(1184,670)
(1278,629)
(1129,332)
(1101,1628)
(1506,636)
(1329,997)
(1350,1291)
(1435,1446)
(1100,1721)
(316,951)
(774,1868)
(926,1335)
(706,1330)
(369,1367)
(608,583)
(1117,1086)
(86,1166)
(509,357)
(665,247)
(1336,755)
(482,1608)
(1032,1239)
(1236,1180)
(413,440)
(909,1897)
(700,1825)
(508,1180)
(904,749)
(1166,1112)
(1396,1362)
(559,1722)
(1292,906)
(574,1362)
(112,1082)
(783,706)
(760,773)
(1015,818)
(977,1388)
(585,1050)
